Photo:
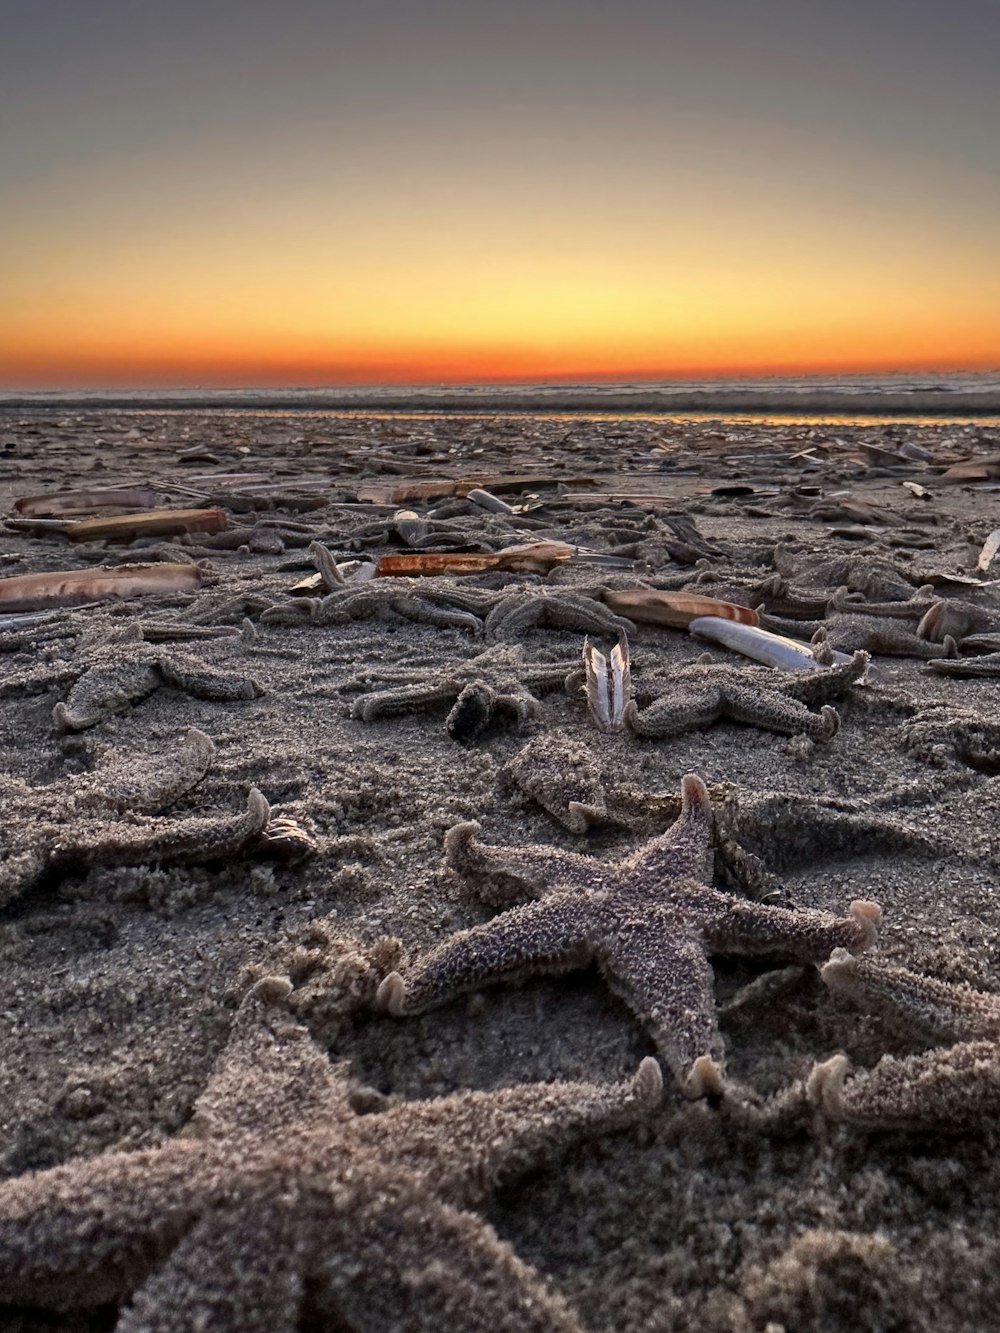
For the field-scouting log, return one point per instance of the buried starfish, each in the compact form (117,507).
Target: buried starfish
(496,685)
(702,693)
(279,1204)
(954,1089)
(650,924)
(113,668)
(91,819)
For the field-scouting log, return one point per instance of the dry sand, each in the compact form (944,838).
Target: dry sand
(120,983)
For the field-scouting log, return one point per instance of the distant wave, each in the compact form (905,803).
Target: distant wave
(947,395)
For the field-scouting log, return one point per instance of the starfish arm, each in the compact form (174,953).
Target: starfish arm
(773,710)
(936,1008)
(674,714)
(404,699)
(102,691)
(415,1266)
(236,1271)
(270,1072)
(425,612)
(584,615)
(511,615)
(799,934)
(954,1090)
(470,1142)
(547,936)
(82,1234)
(479,705)
(664,977)
(685,851)
(18,871)
(531,869)
(196,677)
(148,781)
(826,683)
(37,679)
(165,839)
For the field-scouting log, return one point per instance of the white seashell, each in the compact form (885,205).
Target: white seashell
(774,650)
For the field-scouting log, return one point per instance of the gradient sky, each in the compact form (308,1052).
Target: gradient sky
(295,192)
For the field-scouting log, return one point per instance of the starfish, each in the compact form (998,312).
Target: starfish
(567,779)
(940,732)
(957,1088)
(700,694)
(565,609)
(446,606)
(650,923)
(113,668)
(496,685)
(91,819)
(279,1203)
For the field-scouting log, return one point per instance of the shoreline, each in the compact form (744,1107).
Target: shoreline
(724,402)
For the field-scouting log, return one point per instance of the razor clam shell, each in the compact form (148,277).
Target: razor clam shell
(773,650)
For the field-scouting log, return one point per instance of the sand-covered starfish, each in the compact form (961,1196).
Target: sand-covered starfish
(92,819)
(700,694)
(436,602)
(650,923)
(497,685)
(113,667)
(562,608)
(957,1088)
(279,1205)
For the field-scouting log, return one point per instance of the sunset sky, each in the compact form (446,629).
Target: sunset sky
(236,192)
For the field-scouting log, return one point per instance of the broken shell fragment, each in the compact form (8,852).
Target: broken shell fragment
(653,606)
(989,552)
(774,650)
(32,592)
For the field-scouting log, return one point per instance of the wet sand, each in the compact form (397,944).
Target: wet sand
(121,982)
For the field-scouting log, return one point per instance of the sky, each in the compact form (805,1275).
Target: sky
(234,192)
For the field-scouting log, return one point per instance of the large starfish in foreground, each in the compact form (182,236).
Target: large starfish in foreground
(114,667)
(279,1203)
(702,693)
(91,819)
(649,923)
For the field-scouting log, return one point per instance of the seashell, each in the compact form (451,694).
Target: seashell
(653,606)
(609,684)
(30,592)
(774,650)
(59,504)
(989,552)
(158,523)
(535,557)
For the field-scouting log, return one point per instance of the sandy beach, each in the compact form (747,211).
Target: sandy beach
(144,894)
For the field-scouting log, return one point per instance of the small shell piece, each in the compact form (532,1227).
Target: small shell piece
(653,606)
(989,552)
(774,650)
(31,592)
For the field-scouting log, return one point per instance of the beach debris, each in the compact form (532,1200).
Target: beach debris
(492,503)
(774,650)
(158,523)
(403,492)
(535,558)
(34,592)
(60,504)
(916,490)
(971,470)
(608,684)
(653,606)
(989,552)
